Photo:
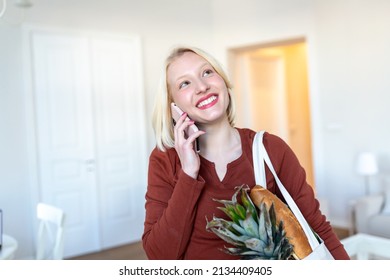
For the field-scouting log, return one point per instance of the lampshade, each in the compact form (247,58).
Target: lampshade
(367,164)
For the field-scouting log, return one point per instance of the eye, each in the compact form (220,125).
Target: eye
(207,72)
(183,84)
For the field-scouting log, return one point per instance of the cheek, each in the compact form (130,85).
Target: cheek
(174,94)
(183,95)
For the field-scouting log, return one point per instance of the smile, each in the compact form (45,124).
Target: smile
(207,101)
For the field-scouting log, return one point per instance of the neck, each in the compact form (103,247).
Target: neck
(218,140)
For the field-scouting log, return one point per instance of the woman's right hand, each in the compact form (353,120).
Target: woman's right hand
(190,161)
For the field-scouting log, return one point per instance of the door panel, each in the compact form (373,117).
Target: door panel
(268,98)
(118,124)
(64,135)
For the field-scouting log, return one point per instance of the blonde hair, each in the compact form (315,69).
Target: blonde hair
(162,117)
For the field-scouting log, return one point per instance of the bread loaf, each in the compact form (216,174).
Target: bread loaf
(292,227)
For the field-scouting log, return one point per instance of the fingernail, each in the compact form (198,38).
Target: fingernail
(183,113)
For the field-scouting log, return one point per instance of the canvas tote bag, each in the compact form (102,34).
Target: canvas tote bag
(260,157)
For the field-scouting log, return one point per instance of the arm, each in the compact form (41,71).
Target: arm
(171,201)
(293,176)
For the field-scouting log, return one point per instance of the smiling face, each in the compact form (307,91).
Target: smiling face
(197,88)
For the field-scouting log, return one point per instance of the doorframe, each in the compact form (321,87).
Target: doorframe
(314,96)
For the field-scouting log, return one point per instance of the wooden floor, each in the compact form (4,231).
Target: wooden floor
(135,251)
(341,232)
(132,251)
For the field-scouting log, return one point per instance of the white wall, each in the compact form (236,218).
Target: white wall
(348,62)
(349,66)
(353,66)
(14,185)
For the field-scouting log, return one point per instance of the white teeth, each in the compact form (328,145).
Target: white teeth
(207,101)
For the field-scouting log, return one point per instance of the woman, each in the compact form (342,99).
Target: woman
(182,184)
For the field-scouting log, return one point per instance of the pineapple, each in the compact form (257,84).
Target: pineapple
(254,232)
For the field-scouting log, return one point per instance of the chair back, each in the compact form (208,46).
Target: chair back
(50,242)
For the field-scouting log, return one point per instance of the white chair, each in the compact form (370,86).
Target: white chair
(50,242)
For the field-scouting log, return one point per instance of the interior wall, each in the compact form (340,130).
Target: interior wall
(348,64)
(14,175)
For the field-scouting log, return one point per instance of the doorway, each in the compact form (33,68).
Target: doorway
(272,92)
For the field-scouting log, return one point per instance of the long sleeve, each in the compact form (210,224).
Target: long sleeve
(171,202)
(293,176)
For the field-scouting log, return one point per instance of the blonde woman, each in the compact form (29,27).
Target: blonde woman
(183,183)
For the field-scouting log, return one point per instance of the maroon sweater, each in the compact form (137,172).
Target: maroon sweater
(178,206)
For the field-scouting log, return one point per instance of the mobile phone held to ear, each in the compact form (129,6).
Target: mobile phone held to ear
(176,114)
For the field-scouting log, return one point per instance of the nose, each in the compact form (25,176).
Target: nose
(201,86)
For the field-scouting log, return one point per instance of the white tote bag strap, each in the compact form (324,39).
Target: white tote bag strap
(260,151)
(258,160)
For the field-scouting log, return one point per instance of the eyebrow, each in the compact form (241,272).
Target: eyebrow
(200,67)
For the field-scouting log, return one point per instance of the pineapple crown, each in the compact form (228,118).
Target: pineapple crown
(253,231)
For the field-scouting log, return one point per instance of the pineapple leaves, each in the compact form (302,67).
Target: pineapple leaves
(250,226)
(252,230)
(248,204)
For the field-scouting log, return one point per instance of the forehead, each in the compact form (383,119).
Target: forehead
(185,63)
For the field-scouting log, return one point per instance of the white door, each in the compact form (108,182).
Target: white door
(65,135)
(119,143)
(89,123)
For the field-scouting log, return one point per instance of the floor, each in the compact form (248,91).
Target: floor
(135,251)
(132,251)
(341,232)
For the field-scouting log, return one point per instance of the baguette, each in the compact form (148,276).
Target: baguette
(292,227)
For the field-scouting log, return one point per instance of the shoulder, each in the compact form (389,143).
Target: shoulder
(271,141)
(276,147)
(274,142)
(246,134)
(279,151)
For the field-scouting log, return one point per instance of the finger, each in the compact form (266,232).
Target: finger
(178,124)
(195,135)
(182,127)
(182,118)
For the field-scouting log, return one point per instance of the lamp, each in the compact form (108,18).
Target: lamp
(367,166)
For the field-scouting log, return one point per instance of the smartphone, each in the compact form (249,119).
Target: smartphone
(176,114)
